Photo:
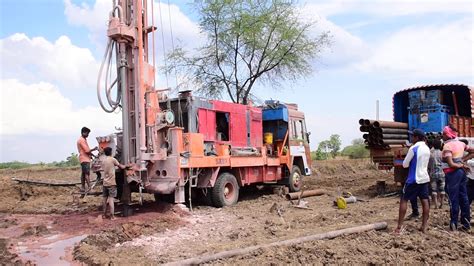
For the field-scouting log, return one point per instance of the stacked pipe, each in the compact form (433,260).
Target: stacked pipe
(383,134)
(430,136)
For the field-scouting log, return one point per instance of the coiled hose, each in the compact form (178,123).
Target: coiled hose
(107,60)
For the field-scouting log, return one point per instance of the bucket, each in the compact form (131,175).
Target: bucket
(268,138)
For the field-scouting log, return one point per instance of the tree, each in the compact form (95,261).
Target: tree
(249,42)
(322,151)
(334,145)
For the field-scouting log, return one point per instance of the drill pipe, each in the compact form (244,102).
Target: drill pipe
(307,193)
(392,141)
(391,130)
(364,128)
(390,124)
(361,121)
(393,136)
(368,122)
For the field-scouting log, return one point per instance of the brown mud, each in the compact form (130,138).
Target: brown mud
(49,221)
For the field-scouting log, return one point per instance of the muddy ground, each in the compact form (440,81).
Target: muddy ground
(42,225)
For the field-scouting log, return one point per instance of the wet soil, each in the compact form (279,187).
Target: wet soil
(161,233)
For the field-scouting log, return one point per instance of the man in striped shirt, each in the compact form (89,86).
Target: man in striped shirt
(417,182)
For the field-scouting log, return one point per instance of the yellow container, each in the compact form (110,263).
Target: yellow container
(268,138)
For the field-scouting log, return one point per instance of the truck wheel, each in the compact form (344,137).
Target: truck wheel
(295,180)
(225,191)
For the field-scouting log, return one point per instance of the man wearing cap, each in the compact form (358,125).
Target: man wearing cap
(456,179)
(417,182)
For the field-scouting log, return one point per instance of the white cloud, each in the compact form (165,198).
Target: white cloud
(391,8)
(95,19)
(36,59)
(40,108)
(346,48)
(443,50)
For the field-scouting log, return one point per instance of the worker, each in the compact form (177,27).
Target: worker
(456,179)
(85,156)
(109,190)
(437,178)
(417,183)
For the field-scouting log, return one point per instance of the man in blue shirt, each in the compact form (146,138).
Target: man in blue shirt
(417,182)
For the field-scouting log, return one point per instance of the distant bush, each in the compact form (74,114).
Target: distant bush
(357,151)
(15,165)
(70,161)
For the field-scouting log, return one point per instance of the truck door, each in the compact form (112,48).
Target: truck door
(299,144)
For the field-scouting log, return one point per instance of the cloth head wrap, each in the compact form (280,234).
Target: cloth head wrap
(450,133)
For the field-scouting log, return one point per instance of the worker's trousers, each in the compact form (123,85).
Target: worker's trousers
(457,193)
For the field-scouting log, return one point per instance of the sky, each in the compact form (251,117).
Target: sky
(51,50)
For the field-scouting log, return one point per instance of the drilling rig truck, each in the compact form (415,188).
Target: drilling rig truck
(184,144)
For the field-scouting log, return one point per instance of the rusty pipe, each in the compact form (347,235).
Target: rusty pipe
(390,124)
(305,194)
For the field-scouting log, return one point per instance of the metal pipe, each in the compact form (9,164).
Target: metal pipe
(393,141)
(305,194)
(368,122)
(394,136)
(125,104)
(141,145)
(390,124)
(365,136)
(364,128)
(392,130)
(206,258)
(361,121)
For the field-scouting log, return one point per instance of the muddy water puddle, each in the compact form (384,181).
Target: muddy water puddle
(56,252)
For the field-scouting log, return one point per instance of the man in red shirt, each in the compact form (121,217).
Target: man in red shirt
(85,155)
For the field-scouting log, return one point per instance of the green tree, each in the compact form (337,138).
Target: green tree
(249,42)
(334,145)
(322,151)
(73,160)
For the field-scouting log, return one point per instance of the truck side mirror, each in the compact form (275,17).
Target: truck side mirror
(307,135)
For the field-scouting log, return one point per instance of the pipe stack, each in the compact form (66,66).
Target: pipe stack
(384,134)
(430,136)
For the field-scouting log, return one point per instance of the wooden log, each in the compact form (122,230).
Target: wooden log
(305,194)
(290,242)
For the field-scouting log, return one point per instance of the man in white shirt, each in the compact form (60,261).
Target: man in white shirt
(418,180)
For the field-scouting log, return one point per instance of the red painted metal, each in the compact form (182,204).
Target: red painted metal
(207,124)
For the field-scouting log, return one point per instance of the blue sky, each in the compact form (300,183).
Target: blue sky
(51,50)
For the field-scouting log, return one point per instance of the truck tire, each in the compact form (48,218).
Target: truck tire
(295,180)
(225,191)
